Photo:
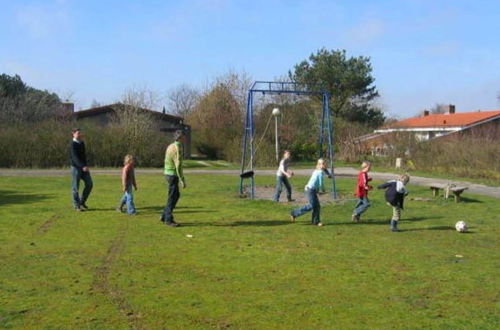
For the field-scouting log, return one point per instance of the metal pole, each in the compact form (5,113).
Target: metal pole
(252,151)
(245,136)
(321,130)
(326,98)
(276,138)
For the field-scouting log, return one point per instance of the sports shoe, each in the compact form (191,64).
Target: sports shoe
(119,209)
(291,200)
(319,224)
(83,205)
(292,218)
(355,217)
(394,226)
(79,209)
(172,224)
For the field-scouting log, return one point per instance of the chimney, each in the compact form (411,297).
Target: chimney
(426,113)
(69,107)
(451,109)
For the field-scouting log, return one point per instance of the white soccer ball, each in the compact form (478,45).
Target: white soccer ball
(461,226)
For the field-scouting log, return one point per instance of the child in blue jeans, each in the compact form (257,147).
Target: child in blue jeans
(128,181)
(312,188)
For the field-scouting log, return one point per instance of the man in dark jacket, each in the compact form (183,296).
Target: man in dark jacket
(79,171)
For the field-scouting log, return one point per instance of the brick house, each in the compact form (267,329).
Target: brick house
(166,123)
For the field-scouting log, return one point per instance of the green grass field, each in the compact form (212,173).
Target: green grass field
(245,266)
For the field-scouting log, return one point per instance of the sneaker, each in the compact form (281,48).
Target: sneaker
(355,218)
(79,209)
(162,219)
(172,224)
(84,206)
(394,226)
(135,213)
(292,218)
(119,209)
(319,224)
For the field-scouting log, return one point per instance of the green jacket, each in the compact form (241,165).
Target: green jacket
(173,160)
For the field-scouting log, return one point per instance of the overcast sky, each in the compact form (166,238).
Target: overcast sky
(422,52)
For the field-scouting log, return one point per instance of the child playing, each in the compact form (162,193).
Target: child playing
(362,191)
(128,180)
(394,195)
(282,177)
(312,188)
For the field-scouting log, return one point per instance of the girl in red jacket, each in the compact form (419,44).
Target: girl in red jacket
(362,191)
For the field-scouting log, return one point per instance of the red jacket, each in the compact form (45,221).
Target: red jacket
(362,187)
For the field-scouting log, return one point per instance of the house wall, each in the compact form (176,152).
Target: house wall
(487,131)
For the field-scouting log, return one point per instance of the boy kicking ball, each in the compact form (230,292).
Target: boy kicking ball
(395,193)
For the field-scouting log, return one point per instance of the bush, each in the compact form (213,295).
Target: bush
(46,145)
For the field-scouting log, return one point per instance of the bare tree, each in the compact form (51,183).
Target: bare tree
(238,83)
(182,100)
(133,118)
(142,98)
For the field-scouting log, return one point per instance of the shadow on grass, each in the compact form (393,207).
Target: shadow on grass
(160,208)
(386,221)
(13,197)
(469,200)
(451,228)
(260,223)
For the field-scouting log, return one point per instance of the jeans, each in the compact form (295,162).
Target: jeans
(77,175)
(173,197)
(312,197)
(280,181)
(362,205)
(128,199)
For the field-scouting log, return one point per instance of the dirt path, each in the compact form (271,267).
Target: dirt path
(474,188)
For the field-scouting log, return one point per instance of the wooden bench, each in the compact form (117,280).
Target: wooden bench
(456,190)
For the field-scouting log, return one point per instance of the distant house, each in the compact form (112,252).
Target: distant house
(168,124)
(480,124)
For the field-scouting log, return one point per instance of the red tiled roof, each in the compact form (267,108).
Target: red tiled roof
(446,120)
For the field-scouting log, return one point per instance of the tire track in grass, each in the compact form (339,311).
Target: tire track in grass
(102,285)
(47,224)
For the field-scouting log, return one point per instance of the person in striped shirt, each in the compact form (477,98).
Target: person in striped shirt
(312,188)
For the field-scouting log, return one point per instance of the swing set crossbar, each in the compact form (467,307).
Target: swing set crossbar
(278,87)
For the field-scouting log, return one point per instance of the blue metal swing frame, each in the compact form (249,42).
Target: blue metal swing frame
(274,87)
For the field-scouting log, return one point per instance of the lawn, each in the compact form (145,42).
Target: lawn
(245,266)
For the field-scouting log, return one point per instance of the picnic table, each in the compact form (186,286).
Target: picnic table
(456,190)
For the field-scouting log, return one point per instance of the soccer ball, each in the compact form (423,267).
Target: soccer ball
(461,226)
